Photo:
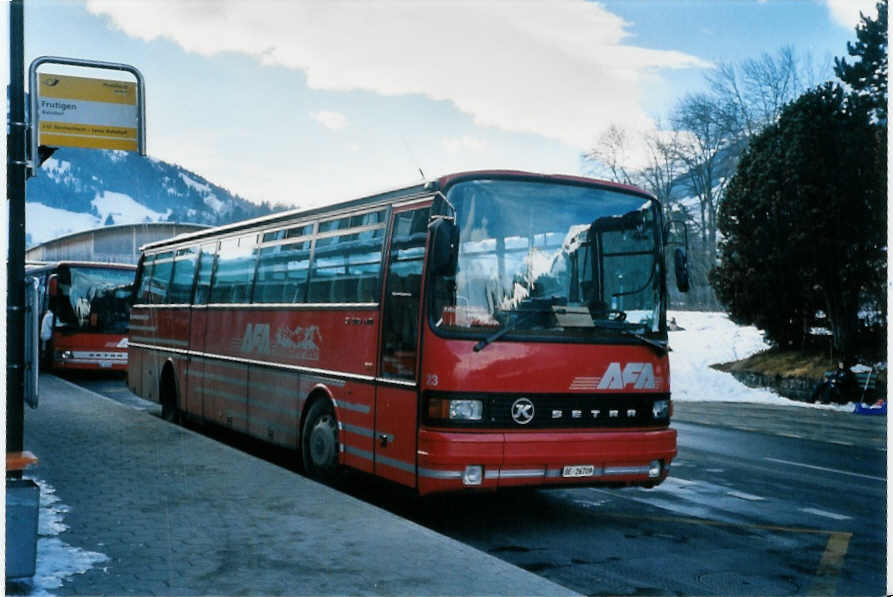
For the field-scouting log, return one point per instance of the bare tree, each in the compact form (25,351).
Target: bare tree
(610,158)
(708,135)
(757,89)
(663,168)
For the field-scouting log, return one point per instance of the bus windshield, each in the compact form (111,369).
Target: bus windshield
(94,299)
(546,259)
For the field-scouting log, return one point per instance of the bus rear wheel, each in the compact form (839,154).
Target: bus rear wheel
(319,441)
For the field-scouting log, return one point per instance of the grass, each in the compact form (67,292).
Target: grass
(788,363)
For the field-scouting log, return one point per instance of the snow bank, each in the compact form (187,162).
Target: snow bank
(710,338)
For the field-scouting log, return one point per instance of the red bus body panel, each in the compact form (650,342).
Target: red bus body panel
(537,456)
(90,352)
(534,367)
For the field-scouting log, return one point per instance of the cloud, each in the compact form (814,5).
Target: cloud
(846,12)
(560,69)
(333,120)
(455,145)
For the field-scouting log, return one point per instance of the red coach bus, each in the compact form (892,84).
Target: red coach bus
(485,330)
(86,308)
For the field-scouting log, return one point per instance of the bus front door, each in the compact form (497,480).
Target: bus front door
(396,405)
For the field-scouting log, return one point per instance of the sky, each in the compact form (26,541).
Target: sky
(307,103)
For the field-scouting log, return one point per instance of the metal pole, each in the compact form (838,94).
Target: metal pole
(16,172)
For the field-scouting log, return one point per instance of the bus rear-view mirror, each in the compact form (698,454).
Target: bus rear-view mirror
(444,247)
(680,260)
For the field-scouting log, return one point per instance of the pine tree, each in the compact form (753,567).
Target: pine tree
(804,222)
(867,76)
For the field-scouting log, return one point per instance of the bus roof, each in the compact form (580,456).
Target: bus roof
(32,267)
(389,196)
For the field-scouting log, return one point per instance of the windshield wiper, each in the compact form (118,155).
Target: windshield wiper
(508,327)
(661,348)
(534,306)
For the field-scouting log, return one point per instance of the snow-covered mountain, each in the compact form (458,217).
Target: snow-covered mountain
(81,189)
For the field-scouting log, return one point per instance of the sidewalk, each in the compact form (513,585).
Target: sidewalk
(177,513)
(802,422)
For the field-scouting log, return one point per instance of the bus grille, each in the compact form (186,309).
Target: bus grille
(554,412)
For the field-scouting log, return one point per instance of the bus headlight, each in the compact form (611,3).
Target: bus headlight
(661,409)
(63,354)
(455,410)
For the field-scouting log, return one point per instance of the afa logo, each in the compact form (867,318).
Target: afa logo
(256,339)
(298,343)
(638,375)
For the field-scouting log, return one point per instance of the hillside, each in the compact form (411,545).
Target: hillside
(80,189)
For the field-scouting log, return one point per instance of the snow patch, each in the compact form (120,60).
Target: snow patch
(214,203)
(710,338)
(56,560)
(51,511)
(194,184)
(44,223)
(60,172)
(56,168)
(115,155)
(124,209)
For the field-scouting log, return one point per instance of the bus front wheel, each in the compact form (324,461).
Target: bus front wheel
(319,441)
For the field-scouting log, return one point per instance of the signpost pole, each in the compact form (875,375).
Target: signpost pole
(16,174)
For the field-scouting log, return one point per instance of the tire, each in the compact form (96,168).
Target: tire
(319,441)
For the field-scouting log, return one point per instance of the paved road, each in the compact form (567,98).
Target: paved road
(744,513)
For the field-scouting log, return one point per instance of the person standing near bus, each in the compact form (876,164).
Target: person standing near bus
(46,337)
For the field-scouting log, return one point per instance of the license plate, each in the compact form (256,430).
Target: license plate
(578,470)
(105,364)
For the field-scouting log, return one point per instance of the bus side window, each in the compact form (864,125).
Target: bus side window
(400,317)
(180,291)
(145,277)
(235,270)
(203,279)
(282,273)
(347,268)
(161,278)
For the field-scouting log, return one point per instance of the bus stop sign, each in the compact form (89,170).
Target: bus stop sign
(85,112)
(70,111)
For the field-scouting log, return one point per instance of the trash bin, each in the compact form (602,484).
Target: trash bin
(22,505)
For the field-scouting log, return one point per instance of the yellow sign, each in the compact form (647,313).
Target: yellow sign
(84,112)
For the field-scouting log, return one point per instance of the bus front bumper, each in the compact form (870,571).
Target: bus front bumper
(453,461)
(89,360)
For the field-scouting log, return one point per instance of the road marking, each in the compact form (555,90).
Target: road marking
(746,496)
(842,443)
(826,514)
(794,435)
(719,523)
(822,468)
(825,582)
(831,564)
